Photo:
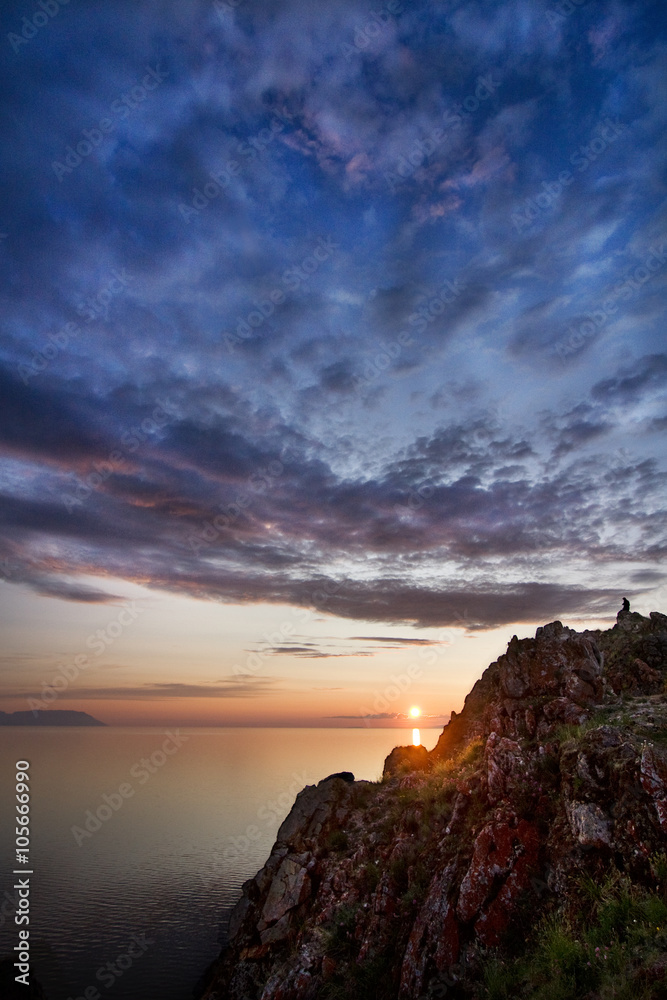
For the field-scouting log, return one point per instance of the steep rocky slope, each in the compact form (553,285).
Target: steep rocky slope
(523,857)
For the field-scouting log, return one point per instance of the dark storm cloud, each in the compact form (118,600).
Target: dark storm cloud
(499,453)
(272,538)
(41,422)
(647,375)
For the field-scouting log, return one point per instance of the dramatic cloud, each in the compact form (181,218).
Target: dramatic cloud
(369,321)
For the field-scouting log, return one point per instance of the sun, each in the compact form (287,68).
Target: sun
(415,712)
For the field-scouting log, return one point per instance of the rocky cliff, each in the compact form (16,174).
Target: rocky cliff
(523,857)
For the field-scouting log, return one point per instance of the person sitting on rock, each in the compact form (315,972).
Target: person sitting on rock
(626,605)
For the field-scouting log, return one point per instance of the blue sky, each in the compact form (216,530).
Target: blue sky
(350,308)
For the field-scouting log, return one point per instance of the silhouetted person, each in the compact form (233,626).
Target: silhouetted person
(626,604)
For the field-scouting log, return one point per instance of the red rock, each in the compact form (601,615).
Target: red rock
(499,849)
(589,824)
(496,918)
(653,771)
(434,938)
(506,767)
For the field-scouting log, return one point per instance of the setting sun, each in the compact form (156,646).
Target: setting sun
(415,712)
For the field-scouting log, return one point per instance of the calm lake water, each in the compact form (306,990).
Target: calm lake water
(138,908)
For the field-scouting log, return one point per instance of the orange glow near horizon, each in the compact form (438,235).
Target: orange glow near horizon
(188,662)
(416,738)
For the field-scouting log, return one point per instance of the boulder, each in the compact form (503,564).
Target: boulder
(405,759)
(506,767)
(589,824)
(314,808)
(290,887)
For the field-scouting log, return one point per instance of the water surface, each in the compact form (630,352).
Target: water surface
(154,885)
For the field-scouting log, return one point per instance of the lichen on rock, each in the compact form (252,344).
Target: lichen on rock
(554,772)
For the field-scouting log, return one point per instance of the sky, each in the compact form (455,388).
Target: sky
(332,348)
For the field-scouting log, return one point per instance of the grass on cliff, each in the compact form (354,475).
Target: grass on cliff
(611,948)
(424,807)
(372,979)
(569,731)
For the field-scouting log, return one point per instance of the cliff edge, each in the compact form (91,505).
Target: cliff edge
(525,855)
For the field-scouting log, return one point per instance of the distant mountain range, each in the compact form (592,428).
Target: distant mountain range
(48,718)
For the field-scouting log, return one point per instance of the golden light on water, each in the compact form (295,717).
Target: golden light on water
(415,712)
(416,738)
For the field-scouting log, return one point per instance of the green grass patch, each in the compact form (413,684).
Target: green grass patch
(606,950)
(339,935)
(337,841)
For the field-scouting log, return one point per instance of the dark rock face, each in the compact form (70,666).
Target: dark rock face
(634,652)
(402,760)
(390,890)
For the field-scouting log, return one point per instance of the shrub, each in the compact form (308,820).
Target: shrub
(339,935)
(337,841)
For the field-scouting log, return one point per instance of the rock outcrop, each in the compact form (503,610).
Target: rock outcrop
(554,773)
